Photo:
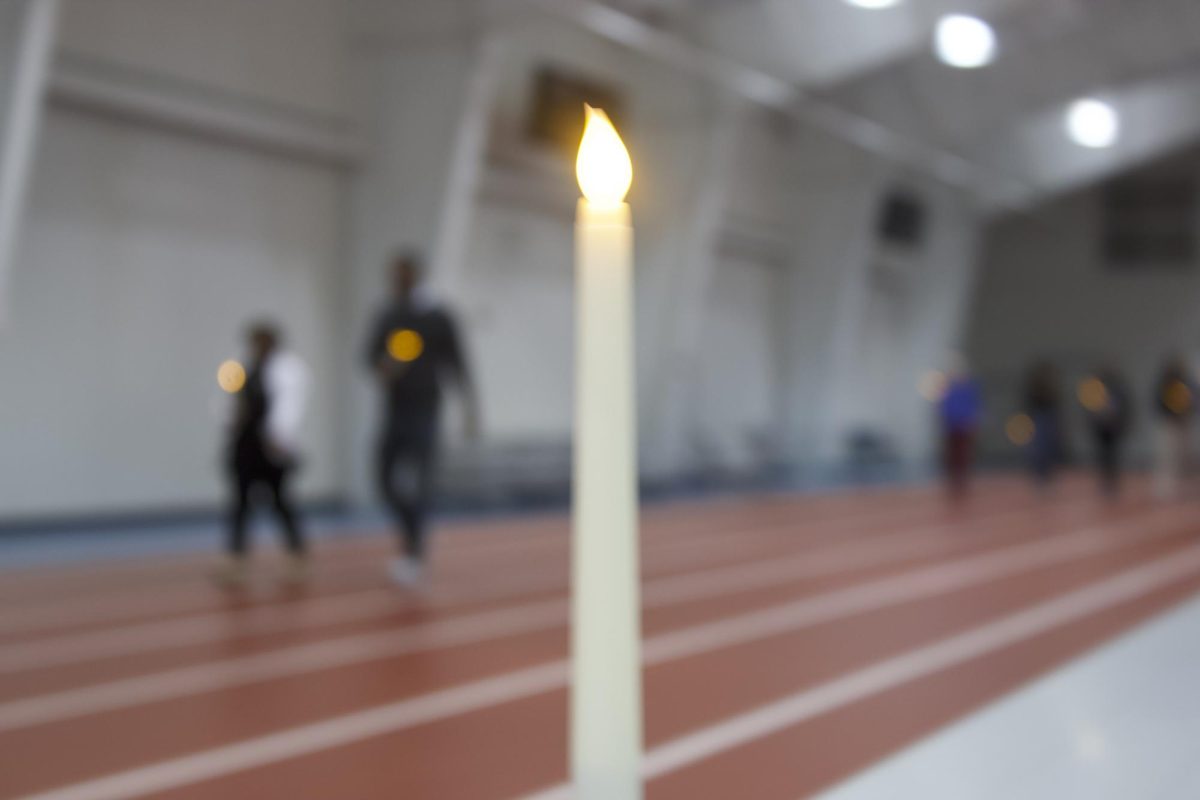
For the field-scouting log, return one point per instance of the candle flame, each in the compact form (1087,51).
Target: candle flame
(603,166)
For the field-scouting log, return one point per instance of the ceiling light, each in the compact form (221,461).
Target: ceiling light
(1093,123)
(964,42)
(874,4)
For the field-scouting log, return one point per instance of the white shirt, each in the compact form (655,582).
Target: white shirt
(286,382)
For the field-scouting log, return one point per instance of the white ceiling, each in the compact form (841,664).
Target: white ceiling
(1142,55)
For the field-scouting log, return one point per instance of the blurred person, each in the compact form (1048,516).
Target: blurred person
(960,410)
(1173,401)
(1106,400)
(1042,405)
(262,453)
(414,350)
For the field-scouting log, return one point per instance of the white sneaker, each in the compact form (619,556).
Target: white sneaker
(232,574)
(407,572)
(297,570)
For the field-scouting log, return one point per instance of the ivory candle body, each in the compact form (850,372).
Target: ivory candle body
(606,695)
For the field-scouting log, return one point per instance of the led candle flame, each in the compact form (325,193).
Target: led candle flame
(602,167)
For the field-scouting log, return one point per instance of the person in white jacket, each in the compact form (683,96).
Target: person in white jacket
(263,451)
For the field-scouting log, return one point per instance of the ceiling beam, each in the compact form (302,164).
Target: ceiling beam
(990,185)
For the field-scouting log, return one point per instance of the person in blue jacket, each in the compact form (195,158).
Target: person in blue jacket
(960,410)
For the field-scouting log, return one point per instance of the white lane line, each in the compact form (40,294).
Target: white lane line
(371,604)
(474,538)
(200,595)
(894,672)
(777,620)
(314,738)
(203,597)
(470,629)
(537,533)
(702,542)
(224,625)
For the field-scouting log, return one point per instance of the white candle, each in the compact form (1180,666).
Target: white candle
(606,695)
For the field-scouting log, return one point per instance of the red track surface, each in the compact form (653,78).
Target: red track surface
(141,679)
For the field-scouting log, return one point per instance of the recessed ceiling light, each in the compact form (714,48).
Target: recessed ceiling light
(964,42)
(1093,123)
(873,4)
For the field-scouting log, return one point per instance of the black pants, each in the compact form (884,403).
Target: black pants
(1045,453)
(253,470)
(957,455)
(405,473)
(1108,458)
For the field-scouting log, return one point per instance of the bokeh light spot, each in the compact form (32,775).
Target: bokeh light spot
(1093,395)
(1178,397)
(932,385)
(405,345)
(1019,429)
(231,376)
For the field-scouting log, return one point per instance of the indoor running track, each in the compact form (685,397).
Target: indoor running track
(789,642)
